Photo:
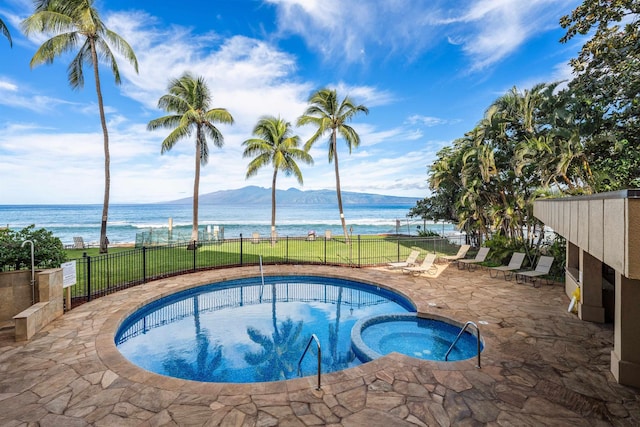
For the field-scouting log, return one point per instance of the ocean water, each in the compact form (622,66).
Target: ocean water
(67,221)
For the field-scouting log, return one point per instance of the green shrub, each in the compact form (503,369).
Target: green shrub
(48,250)
(427,233)
(502,248)
(558,250)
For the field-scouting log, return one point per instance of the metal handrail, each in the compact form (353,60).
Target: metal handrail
(313,338)
(466,325)
(261,271)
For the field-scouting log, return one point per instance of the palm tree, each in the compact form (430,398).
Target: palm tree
(328,115)
(189,102)
(78,22)
(4,30)
(276,146)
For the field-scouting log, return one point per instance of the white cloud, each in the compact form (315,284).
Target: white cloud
(486,30)
(247,76)
(489,30)
(426,120)
(8,86)
(344,28)
(15,96)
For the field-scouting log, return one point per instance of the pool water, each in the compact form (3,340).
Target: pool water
(422,338)
(242,331)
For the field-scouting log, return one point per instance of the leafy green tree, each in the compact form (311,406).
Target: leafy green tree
(189,102)
(487,181)
(275,145)
(608,65)
(437,207)
(607,88)
(73,23)
(329,115)
(5,31)
(48,250)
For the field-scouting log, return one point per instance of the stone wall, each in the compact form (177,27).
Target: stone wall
(49,293)
(15,293)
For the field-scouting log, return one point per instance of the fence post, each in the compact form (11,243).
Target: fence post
(398,249)
(240,249)
(195,249)
(325,249)
(286,251)
(144,264)
(359,244)
(88,277)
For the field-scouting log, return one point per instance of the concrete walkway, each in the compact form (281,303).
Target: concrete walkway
(541,366)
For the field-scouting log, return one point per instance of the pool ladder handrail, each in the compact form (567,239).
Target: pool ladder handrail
(313,338)
(464,328)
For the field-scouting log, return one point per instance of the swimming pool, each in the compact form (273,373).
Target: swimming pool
(243,331)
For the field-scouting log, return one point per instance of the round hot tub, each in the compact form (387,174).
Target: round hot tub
(406,333)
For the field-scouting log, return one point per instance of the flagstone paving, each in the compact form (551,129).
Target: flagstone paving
(541,366)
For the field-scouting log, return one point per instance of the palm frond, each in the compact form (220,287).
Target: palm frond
(5,31)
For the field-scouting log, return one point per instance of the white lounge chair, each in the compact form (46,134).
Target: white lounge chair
(472,263)
(255,238)
(542,268)
(462,252)
(507,270)
(411,260)
(427,266)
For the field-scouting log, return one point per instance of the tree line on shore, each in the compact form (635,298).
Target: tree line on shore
(552,140)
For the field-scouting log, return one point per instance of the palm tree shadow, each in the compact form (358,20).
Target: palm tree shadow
(206,363)
(275,361)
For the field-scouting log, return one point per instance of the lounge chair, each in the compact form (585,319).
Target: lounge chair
(542,268)
(327,234)
(255,238)
(507,270)
(411,260)
(462,252)
(426,266)
(472,263)
(78,243)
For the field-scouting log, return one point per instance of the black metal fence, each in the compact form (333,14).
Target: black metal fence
(103,274)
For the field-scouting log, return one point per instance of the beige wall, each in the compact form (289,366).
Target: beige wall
(603,228)
(15,300)
(15,293)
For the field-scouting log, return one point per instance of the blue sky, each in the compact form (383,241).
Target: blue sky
(426,71)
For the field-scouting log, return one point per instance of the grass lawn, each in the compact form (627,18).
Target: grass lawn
(125,266)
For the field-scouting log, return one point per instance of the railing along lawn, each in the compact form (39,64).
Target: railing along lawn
(98,275)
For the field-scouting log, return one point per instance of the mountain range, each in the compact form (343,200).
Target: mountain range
(253,195)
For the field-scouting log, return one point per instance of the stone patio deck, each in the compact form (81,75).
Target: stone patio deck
(541,366)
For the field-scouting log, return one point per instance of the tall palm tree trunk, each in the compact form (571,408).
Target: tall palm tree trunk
(196,187)
(339,194)
(273,207)
(104,245)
